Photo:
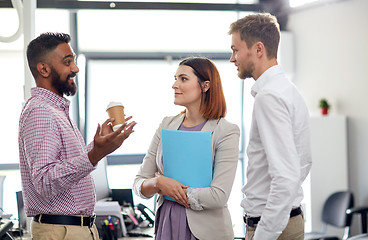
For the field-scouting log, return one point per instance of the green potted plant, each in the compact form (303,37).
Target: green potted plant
(324,106)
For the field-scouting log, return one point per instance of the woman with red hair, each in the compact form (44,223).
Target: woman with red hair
(196,213)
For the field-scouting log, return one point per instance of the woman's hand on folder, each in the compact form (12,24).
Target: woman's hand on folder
(172,188)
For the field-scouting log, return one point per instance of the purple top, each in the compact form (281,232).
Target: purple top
(171,218)
(195,128)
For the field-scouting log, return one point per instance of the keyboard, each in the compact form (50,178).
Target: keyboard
(139,234)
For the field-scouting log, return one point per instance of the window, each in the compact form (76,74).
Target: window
(297,3)
(152,31)
(144,88)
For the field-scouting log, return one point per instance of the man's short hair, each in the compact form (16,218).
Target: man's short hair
(39,47)
(260,27)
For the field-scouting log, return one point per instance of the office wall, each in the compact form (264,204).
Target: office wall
(331,55)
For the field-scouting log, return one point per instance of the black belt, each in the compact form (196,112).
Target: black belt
(251,221)
(65,219)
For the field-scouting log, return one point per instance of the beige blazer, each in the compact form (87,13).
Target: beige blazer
(214,222)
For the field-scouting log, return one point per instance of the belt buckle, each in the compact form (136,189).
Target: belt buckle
(250,222)
(92,220)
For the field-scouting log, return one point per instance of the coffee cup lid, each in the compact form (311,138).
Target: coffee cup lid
(114,104)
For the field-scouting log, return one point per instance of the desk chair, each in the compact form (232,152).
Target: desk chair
(362,211)
(334,214)
(359,237)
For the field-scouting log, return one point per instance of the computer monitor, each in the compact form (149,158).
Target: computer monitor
(2,178)
(21,212)
(123,196)
(101,182)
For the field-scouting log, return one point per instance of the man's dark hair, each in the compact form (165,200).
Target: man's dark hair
(39,47)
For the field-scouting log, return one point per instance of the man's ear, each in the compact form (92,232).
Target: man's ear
(206,86)
(260,48)
(43,69)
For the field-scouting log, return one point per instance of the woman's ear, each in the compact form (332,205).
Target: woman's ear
(205,86)
(43,69)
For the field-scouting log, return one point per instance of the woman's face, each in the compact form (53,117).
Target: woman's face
(187,90)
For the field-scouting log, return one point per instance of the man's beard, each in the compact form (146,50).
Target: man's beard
(63,87)
(246,73)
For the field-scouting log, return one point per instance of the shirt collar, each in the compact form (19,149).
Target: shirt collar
(265,78)
(50,96)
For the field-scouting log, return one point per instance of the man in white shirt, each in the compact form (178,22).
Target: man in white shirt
(279,146)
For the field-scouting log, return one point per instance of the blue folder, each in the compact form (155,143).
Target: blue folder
(187,157)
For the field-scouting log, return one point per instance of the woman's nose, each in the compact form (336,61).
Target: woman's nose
(174,86)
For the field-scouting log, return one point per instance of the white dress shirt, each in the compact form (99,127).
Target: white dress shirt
(279,153)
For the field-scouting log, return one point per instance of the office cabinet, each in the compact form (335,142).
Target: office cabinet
(329,171)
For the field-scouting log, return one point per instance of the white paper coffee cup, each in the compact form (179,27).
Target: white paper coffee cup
(116,110)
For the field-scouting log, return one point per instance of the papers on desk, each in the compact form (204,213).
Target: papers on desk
(187,157)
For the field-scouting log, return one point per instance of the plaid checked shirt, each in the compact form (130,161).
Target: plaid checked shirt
(54,164)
